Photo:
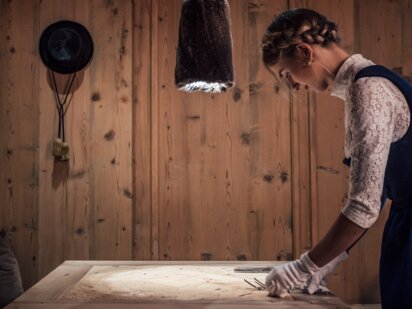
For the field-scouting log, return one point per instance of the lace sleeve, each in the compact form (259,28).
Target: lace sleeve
(371,126)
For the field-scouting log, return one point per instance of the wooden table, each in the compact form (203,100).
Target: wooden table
(158,285)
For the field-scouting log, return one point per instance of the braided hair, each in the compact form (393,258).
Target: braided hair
(293,27)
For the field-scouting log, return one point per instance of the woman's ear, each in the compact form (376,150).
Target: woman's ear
(305,51)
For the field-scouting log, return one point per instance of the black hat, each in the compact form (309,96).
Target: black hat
(66,47)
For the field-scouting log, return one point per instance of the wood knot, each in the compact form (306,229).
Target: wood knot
(109,135)
(127,193)
(95,97)
(205,256)
(80,231)
(284,256)
(283,177)
(254,88)
(254,4)
(268,178)
(237,94)
(245,137)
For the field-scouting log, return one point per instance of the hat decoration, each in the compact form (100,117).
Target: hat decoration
(66,47)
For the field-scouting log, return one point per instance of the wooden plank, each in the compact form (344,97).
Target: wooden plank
(301,150)
(110,130)
(56,283)
(270,145)
(19,143)
(141,129)
(174,209)
(77,129)
(386,36)
(300,137)
(239,133)
(154,130)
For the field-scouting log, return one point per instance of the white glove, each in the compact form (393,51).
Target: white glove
(286,277)
(319,278)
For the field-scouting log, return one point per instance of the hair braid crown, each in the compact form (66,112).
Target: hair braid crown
(296,26)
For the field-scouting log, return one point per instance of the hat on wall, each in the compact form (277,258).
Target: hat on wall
(66,47)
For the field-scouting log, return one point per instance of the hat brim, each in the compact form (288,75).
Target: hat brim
(66,47)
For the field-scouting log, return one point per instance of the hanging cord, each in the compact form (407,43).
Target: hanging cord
(60,106)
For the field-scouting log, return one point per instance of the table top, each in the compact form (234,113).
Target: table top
(160,284)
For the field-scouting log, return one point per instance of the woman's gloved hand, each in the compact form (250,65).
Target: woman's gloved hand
(320,278)
(288,276)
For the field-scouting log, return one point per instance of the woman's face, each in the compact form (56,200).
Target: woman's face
(299,74)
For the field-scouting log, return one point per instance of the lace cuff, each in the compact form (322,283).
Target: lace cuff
(363,216)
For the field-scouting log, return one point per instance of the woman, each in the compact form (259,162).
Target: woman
(302,47)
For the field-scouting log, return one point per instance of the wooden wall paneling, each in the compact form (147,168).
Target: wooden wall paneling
(173,208)
(302,240)
(184,209)
(241,215)
(187,201)
(154,129)
(188,161)
(216,152)
(77,127)
(301,188)
(382,41)
(270,144)
(111,120)
(222,162)
(141,58)
(53,175)
(19,143)
(201,165)
(218,200)
(221,151)
(160,42)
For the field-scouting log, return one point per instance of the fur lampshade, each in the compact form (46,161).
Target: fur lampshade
(204,52)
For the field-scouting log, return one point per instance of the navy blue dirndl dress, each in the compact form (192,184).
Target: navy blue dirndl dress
(396,252)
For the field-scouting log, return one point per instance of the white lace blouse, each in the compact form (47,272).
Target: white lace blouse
(376,114)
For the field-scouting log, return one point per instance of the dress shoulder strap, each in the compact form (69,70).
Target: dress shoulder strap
(380,71)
